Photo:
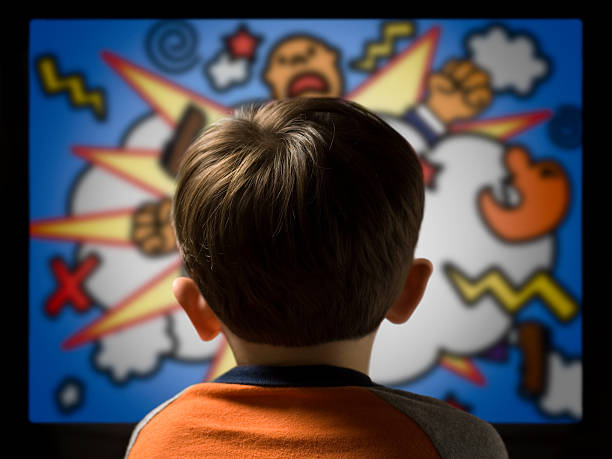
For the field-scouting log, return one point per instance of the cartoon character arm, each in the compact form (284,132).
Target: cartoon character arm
(426,122)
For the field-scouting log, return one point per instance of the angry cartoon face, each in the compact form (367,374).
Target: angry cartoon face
(305,67)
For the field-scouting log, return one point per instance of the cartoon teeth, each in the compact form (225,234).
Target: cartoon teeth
(307,82)
(505,193)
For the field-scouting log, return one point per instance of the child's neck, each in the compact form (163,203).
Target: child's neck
(354,354)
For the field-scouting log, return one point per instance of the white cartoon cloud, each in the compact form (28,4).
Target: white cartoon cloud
(134,351)
(512,62)
(564,392)
(226,71)
(70,395)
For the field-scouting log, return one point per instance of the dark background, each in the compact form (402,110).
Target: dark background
(586,439)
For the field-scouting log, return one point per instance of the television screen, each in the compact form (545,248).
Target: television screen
(492,107)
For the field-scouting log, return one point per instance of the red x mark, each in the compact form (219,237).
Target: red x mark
(70,285)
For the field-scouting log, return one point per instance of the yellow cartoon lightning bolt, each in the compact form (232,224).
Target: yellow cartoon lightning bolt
(391,31)
(54,83)
(401,82)
(512,298)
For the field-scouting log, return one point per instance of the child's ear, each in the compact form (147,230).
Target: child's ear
(199,312)
(412,291)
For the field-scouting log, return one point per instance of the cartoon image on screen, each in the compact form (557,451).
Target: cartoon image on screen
(492,107)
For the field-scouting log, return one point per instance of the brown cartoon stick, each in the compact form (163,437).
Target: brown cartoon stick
(534,344)
(191,123)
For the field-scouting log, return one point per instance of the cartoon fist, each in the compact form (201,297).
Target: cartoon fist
(460,91)
(151,228)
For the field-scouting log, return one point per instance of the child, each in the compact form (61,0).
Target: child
(297,222)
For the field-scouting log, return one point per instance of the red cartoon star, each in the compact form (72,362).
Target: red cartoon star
(242,44)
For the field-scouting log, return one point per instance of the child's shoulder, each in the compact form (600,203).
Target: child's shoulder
(456,433)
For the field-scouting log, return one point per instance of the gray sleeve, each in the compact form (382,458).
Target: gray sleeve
(455,433)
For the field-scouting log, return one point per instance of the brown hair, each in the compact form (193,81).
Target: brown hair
(298,219)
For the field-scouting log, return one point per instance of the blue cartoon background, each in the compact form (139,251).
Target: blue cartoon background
(493,107)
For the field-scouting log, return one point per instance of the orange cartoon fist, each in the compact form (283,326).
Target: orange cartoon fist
(151,228)
(460,91)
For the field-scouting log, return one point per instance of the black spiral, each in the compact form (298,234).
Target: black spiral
(172,45)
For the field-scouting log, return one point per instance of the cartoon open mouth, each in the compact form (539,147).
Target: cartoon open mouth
(530,202)
(306,82)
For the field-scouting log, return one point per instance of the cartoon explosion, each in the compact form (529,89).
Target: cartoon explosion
(394,88)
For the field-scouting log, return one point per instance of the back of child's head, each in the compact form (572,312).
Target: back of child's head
(298,219)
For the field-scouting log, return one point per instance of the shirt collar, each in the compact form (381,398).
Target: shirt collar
(294,376)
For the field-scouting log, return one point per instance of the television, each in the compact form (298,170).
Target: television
(493,108)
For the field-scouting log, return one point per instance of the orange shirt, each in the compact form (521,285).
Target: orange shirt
(308,412)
